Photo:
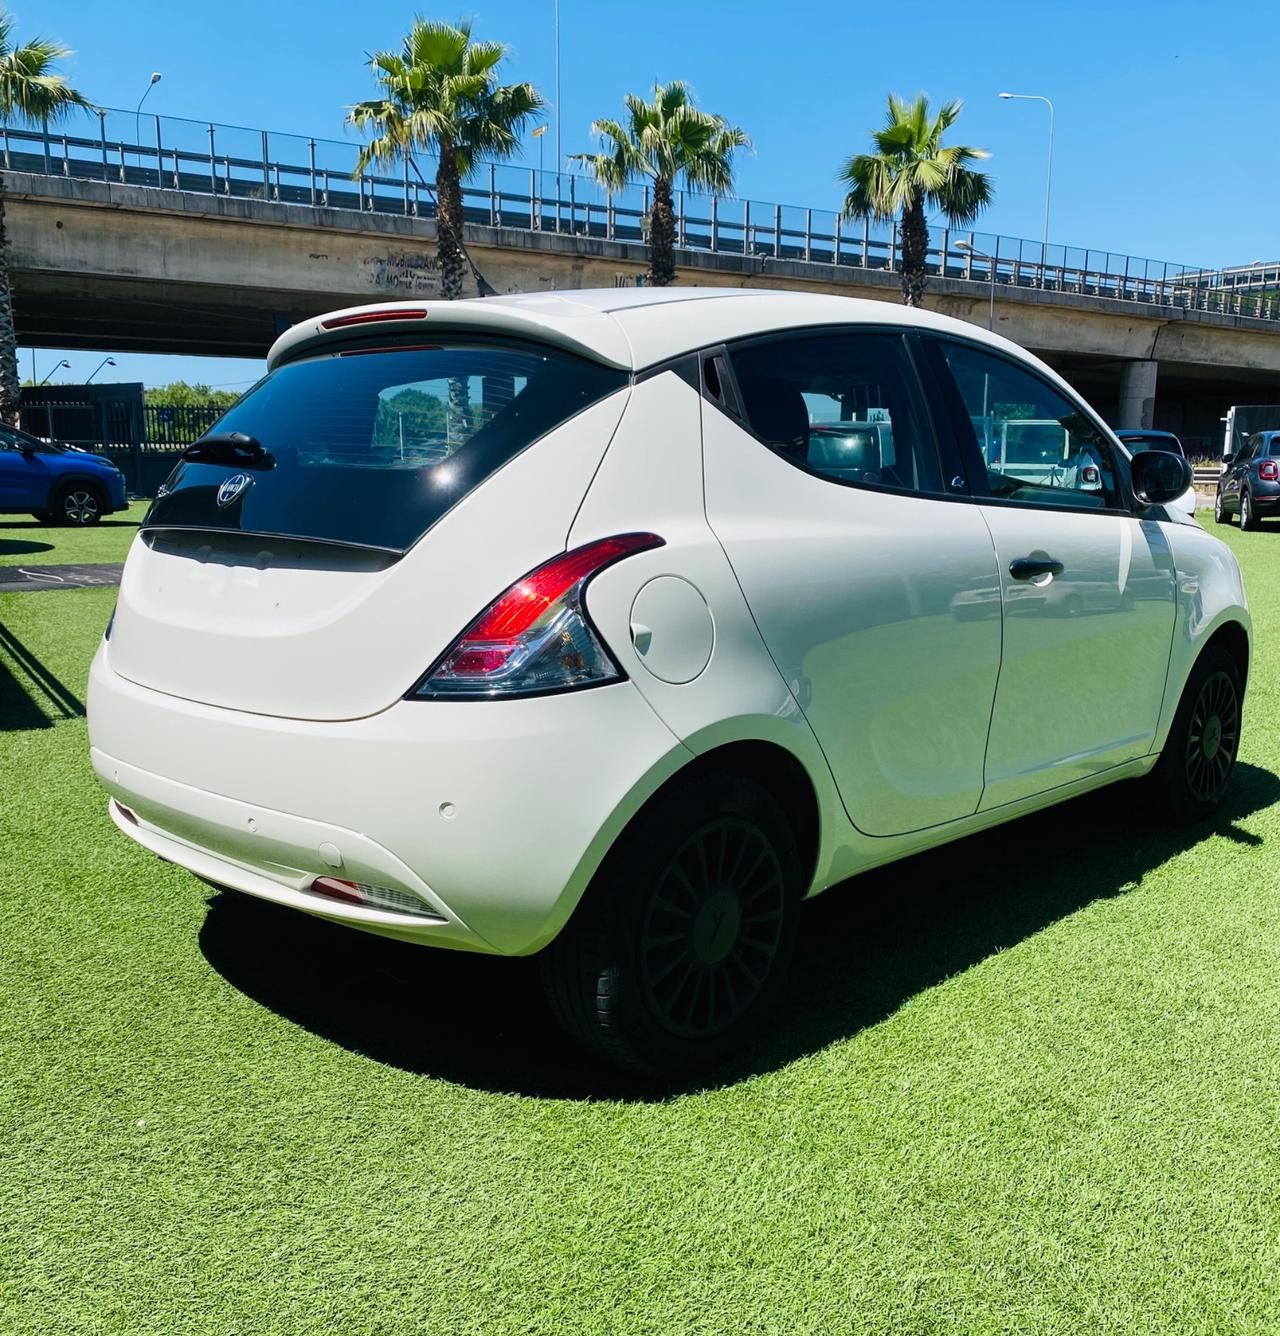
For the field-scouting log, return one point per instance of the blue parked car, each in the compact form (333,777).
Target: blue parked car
(54,483)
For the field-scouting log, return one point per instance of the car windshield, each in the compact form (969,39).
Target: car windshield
(372,446)
(1137,444)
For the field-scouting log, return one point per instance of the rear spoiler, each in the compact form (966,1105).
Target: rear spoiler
(558,321)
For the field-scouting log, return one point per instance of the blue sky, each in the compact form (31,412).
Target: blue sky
(1161,128)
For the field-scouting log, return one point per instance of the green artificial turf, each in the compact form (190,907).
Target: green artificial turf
(24,541)
(1028,1084)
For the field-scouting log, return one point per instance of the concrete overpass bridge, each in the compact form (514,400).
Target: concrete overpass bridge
(202,239)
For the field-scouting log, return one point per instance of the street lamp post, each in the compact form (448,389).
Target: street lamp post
(1048,182)
(106,361)
(540,134)
(968,248)
(59,367)
(137,117)
(559,157)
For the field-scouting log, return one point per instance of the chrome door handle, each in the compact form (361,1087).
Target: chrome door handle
(1032,568)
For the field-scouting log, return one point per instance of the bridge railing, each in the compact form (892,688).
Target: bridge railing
(211,159)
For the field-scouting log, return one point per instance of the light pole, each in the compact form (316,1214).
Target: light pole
(59,367)
(539,134)
(1048,181)
(137,114)
(106,361)
(968,248)
(559,158)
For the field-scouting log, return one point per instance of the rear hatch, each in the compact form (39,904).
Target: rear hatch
(350,516)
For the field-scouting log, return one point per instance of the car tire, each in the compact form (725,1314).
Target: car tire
(1248,516)
(1220,515)
(681,944)
(1195,766)
(77,504)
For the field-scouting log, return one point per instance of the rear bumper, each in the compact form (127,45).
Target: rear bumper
(492,815)
(1266,496)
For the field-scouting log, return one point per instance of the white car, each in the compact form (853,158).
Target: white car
(579,624)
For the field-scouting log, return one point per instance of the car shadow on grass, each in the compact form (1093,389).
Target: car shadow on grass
(865,948)
(20,547)
(30,695)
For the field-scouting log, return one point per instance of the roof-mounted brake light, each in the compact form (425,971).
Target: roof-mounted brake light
(373,317)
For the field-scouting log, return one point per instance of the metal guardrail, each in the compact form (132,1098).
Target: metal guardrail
(211,159)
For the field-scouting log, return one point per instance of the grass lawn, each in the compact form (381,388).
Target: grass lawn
(1029,1084)
(26,542)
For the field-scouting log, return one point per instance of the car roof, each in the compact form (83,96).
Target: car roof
(628,328)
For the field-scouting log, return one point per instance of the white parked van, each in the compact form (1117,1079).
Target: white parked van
(610,625)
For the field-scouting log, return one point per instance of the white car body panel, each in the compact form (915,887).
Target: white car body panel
(1085,654)
(854,593)
(249,711)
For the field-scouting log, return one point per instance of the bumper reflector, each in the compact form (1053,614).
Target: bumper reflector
(373,897)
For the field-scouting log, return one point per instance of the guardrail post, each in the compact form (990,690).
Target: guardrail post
(866,242)
(715,225)
(747,248)
(266,168)
(942,261)
(311,163)
(835,242)
(777,231)
(102,143)
(406,183)
(44,129)
(610,222)
(535,209)
(680,219)
(573,201)
(159,156)
(808,234)
(893,247)
(213,166)
(493,217)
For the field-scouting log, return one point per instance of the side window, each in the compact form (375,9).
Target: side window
(1038,448)
(8,441)
(846,406)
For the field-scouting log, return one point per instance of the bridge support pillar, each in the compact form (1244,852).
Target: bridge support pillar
(1137,395)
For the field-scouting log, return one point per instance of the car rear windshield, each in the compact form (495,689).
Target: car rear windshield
(372,446)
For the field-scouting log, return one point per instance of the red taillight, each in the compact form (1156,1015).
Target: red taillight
(336,888)
(535,637)
(1269,471)
(372,317)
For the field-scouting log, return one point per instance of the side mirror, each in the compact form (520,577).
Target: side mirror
(1228,460)
(1159,477)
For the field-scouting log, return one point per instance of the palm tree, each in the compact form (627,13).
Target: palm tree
(909,172)
(441,94)
(31,93)
(665,141)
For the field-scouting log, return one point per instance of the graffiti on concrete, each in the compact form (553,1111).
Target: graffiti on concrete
(412,272)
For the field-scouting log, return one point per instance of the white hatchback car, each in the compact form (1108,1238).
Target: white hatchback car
(610,625)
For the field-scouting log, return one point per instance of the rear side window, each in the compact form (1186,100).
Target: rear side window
(845,406)
(372,447)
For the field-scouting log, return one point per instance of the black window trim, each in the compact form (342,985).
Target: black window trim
(953,406)
(730,403)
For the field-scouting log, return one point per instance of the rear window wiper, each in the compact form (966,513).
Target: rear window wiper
(230,447)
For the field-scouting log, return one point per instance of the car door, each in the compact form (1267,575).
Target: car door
(24,473)
(1233,481)
(873,585)
(1087,588)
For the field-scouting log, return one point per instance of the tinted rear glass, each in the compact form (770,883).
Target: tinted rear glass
(371,447)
